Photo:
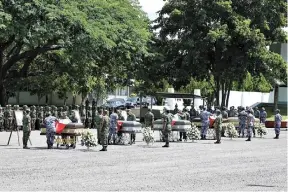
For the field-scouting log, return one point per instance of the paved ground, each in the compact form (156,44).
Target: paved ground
(260,165)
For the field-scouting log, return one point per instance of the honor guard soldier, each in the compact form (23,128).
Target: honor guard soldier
(263,116)
(1,119)
(104,130)
(40,115)
(224,116)
(277,120)
(113,126)
(149,119)
(50,124)
(257,113)
(242,121)
(250,124)
(26,128)
(218,126)
(33,116)
(205,122)
(182,116)
(9,117)
(131,117)
(167,128)
(97,123)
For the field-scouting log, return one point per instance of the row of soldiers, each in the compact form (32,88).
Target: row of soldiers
(37,114)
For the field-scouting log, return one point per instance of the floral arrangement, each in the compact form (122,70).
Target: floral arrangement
(88,139)
(148,135)
(231,130)
(193,133)
(261,129)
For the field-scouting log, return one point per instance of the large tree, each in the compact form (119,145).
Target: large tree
(222,39)
(87,38)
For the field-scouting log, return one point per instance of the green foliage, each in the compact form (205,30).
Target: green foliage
(79,41)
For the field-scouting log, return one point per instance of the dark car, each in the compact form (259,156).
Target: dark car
(117,103)
(131,102)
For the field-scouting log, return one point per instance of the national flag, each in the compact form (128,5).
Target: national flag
(61,124)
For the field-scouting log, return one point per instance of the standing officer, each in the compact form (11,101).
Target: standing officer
(149,119)
(50,124)
(242,121)
(224,116)
(26,128)
(104,130)
(218,126)
(131,117)
(176,110)
(263,115)
(113,126)
(205,122)
(182,116)
(250,123)
(33,116)
(193,112)
(167,119)
(98,120)
(277,120)
(257,113)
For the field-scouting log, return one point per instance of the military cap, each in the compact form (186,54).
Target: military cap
(149,109)
(218,111)
(28,110)
(278,110)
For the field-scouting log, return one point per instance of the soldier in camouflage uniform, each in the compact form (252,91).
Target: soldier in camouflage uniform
(33,116)
(205,122)
(94,113)
(131,117)
(26,128)
(40,115)
(82,113)
(104,130)
(60,112)
(277,121)
(257,113)
(182,116)
(224,114)
(218,126)
(263,115)
(242,121)
(167,119)
(97,123)
(149,119)
(54,111)
(9,117)
(250,124)
(113,126)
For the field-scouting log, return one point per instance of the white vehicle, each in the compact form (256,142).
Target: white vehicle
(171,102)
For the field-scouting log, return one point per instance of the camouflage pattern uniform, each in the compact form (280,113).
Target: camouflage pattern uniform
(40,115)
(60,112)
(89,116)
(50,124)
(242,121)
(82,113)
(250,124)
(167,128)
(277,120)
(9,117)
(182,116)
(54,111)
(263,115)
(1,119)
(98,120)
(26,128)
(205,122)
(224,116)
(218,126)
(257,113)
(33,116)
(104,130)
(149,119)
(113,126)
(131,117)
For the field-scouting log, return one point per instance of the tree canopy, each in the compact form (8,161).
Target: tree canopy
(223,40)
(76,42)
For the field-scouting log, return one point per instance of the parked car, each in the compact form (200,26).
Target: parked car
(131,102)
(117,103)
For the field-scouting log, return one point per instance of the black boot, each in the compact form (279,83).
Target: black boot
(166,145)
(249,139)
(217,142)
(104,148)
(277,136)
(202,137)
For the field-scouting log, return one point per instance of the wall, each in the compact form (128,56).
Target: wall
(26,99)
(238,98)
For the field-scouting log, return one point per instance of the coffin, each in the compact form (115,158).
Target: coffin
(177,125)
(72,132)
(270,124)
(197,121)
(129,126)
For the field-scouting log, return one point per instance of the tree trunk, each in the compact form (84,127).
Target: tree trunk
(3,94)
(74,100)
(223,91)
(217,81)
(276,95)
(228,94)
